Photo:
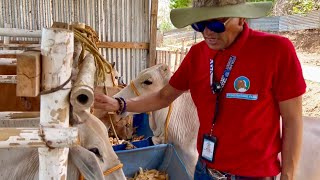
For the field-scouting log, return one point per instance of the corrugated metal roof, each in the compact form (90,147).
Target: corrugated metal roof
(287,23)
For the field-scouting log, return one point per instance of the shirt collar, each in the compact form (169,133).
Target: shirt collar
(239,42)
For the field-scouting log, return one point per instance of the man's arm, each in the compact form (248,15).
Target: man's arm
(144,103)
(292,125)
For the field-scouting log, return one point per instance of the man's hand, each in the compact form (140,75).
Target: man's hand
(105,102)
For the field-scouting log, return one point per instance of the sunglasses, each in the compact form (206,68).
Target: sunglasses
(217,26)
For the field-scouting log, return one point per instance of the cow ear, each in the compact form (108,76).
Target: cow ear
(86,162)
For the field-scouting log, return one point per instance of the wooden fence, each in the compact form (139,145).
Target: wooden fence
(53,67)
(171,58)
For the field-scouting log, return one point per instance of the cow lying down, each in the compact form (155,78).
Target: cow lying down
(92,157)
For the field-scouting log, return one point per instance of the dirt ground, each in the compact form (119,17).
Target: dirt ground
(307,44)
(311,100)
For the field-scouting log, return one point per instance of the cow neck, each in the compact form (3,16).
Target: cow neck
(167,121)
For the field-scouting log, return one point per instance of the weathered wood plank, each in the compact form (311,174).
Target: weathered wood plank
(28,74)
(34,137)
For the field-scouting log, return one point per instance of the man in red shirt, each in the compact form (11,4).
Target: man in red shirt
(241,81)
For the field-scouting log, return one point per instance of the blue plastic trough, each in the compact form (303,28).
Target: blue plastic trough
(162,157)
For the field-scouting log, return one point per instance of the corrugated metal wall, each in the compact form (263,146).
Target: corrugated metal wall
(287,23)
(114,20)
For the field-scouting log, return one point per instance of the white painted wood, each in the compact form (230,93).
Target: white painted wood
(20,46)
(21,122)
(20,32)
(11,51)
(57,47)
(8,79)
(31,137)
(77,52)
(19,114)
(82,92)
(8,61)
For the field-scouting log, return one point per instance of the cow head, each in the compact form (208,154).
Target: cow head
(95,154)
(149,80)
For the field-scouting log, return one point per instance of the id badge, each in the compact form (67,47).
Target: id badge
(208,147)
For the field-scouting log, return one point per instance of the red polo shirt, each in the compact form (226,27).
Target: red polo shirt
(266,72)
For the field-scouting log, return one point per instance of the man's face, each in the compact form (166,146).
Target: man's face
(220,41)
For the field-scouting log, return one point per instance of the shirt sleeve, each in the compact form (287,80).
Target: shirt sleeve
(181,78)
(288,80)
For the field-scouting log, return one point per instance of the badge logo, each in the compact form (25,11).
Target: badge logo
(241,84)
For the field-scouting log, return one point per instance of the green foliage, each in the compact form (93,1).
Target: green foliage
(165,26)
(303,6)
(260,0)
(292,6)
(180,3)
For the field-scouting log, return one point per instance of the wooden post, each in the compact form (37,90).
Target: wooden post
(176,61)
(157,57)
(57,51)
(28,74)
(153,33)
(6,39)
(168,58)
(162,61)
(82,91)
(165,54)
(170,66)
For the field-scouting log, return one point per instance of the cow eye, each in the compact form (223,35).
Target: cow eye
(147,82)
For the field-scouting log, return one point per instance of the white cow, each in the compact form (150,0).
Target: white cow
(92,158)
(183,121)
(184,124)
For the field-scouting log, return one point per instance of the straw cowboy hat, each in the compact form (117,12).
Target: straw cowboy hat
(210,9)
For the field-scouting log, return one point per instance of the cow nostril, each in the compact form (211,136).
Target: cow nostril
(95,151)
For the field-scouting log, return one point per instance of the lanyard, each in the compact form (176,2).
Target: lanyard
(216,87)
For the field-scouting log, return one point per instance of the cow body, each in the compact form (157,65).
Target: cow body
(92,157)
